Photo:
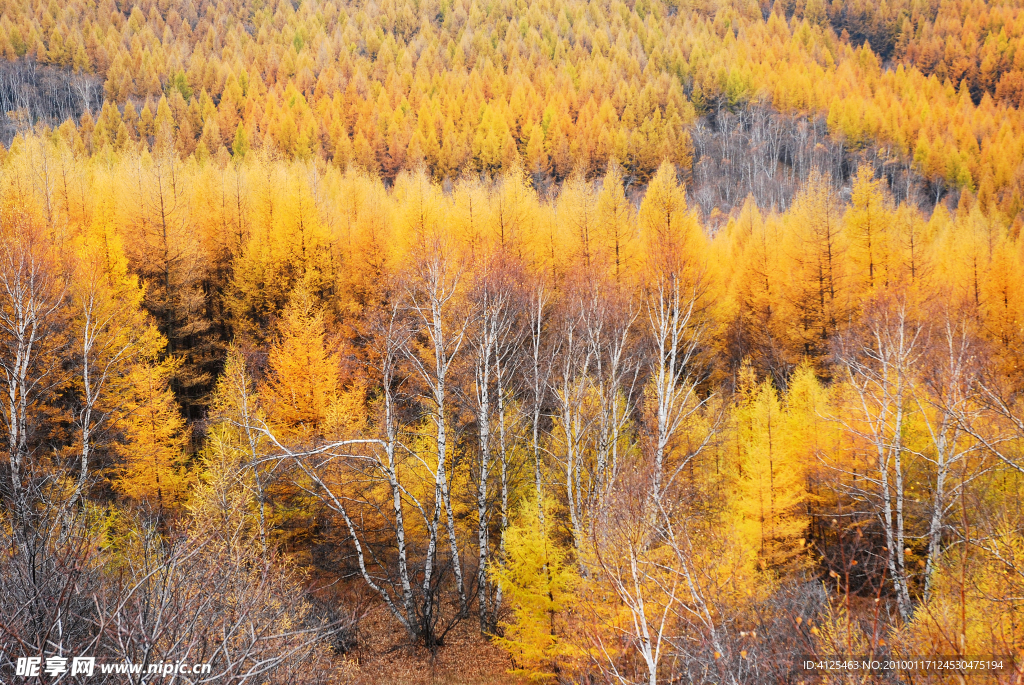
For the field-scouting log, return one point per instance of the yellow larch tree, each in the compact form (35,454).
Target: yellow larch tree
(757,290)
(869,223)
(809,434)
(153,471)
(616,223)
(513,211)
(303,379)
(538,581)
(577,210)
(770,485)
(1003,308)
(669,230)
(814,261)
(300,400)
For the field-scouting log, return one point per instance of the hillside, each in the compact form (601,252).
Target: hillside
(575,342)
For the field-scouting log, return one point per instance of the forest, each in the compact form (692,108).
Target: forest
(658,341)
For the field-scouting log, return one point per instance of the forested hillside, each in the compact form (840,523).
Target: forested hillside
(651,342)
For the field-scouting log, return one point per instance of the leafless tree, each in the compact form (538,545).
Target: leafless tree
(677,329)
(33,287)
(948,405)
(631,558)
(540,369)
(43,95)
(609,318)
(495,339)
(433,296)
(879,364)
(106,337)
(570,383)
(212,599)
(199,596)
(371,481)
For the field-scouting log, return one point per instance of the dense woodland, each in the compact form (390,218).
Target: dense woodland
(657,341)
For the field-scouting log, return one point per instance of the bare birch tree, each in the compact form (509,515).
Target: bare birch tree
(570,384)
(33,287)
(433,293)
(494,339)
(677,330)
(879,367)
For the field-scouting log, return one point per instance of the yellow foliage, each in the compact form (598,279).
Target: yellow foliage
(975,604)
(870,222)
(770,486)
(538,581)
(155,438)
(303,381)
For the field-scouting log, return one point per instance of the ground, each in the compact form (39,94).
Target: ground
(385,657)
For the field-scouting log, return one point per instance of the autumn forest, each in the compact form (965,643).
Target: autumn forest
(429,341)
